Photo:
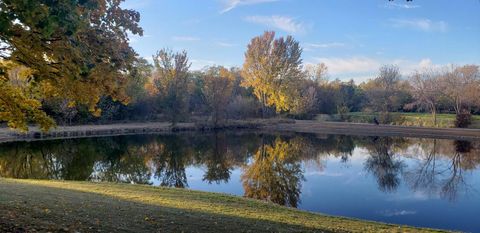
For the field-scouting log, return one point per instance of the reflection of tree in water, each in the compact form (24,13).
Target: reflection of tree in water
(218,165)
(344,146)
(441,168)
(105,159)
(275,173)
(122,160)
(64,159)
(170,162)
(425,176)
(383,164)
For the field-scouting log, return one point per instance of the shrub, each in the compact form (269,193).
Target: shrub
(463,120)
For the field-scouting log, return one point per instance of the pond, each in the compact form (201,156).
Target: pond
(420,182)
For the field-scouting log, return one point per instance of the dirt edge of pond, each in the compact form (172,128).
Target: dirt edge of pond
(71,206)
(300,126)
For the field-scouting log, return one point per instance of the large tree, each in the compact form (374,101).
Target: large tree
(170,78)
(426,91)
(387,92)
(272,68)
(461,85)
(217,90)
(76,50)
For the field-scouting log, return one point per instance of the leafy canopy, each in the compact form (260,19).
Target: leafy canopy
(272,68)
(75,49)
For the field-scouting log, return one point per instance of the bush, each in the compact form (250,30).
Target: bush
(463,120)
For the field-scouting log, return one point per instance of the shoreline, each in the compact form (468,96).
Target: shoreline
(278,125)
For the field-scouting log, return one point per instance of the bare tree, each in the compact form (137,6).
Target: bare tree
(461,85)
(386,93)
(317,73)
(426,91)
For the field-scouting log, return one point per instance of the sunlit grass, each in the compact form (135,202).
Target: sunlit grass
(247,213)
(409,119)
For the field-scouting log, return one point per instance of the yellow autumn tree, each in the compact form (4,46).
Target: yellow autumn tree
(76,50)
(272,68)
(20,97)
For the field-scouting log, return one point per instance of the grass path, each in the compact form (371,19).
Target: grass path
(57,206)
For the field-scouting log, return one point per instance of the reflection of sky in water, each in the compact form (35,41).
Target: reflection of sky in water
(349,191)
(346,189)
(331,185)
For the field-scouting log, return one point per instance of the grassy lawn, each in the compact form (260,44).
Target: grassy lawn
(408,119)
(57,206)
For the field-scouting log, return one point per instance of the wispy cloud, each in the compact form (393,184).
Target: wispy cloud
(362,68)
(185,38)
(198,64)
(136,38)
(393,213)
(349,65)
(426,25)
(232,4)
(312,46)
(225,44)
(284,23)
(324,173)
(394,5)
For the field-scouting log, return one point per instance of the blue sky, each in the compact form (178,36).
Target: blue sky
(354,38)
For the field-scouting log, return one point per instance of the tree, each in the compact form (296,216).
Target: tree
(461,85)
(426,91)
(217,89)
(306,101)
(77,50)
(387,92)
(272,68)
(317,73)
(171,81)
(138,77)
(19,98)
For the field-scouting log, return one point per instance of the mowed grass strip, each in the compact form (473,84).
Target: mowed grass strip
(85,206)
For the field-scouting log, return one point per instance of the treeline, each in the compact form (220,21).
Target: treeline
(79,68)
(274,82)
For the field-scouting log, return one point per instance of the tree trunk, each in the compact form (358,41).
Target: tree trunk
(264,103)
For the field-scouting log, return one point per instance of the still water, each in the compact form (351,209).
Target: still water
(421,182)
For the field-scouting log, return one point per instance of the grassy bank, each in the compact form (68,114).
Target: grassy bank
(28,205)
(404,119)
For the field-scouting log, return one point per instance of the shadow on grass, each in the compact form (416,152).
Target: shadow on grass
(28,207)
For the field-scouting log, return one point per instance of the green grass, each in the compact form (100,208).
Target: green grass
(406,119)
(59,206)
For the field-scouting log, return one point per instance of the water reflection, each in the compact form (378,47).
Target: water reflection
(275,173)
(272,167)
(441,168)
(383,163)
